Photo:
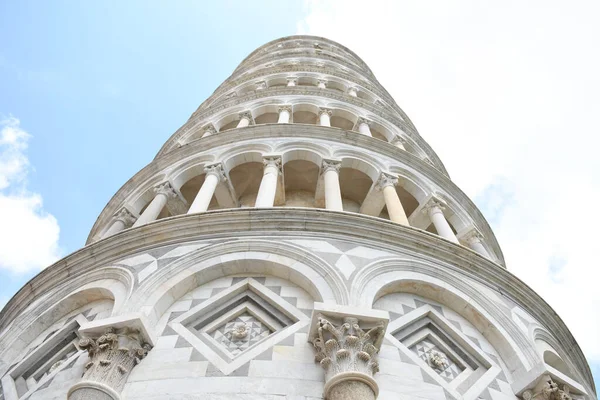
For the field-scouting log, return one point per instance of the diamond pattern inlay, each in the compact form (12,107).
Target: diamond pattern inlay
(241,333)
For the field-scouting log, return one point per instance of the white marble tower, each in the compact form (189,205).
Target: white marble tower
(295,239)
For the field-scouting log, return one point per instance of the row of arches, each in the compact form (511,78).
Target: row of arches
(293,176)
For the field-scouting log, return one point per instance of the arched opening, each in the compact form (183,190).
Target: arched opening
(301,178)
(266,115)
(246,179)
(305,114)
(306,81)
(343,119)
(354,186)
(277,82)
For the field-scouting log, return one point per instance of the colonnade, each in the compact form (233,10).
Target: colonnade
(272,171)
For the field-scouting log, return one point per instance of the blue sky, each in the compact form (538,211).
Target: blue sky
(506,94)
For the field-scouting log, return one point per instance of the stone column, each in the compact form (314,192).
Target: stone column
(363,127)
(163,192)
(473,239)
(209,130)
(245,119)
(122,219)
(214,175)
(387,183)
(325,117)
(348,355)
(322,84)
(262,85)
(268,184)
(284,114)
(399,142)
(435,209)
(331,178)
(112,357)
(353,91)
(547,389)
(292,81)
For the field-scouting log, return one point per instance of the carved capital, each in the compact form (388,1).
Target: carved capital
(261,85)
(547,389)
(284,108)
(325,111)
(346,347)
(363,120)
(472,236)
(209,130)
(112,356)
(125,216)
(385,180)
(292,79)
(322,82)
(247,115)
(353,89)
(166,189)
(331,165)
(399,140)
(216,170)
(272,161)
(434,205)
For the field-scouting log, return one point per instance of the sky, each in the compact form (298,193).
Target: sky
(507,94)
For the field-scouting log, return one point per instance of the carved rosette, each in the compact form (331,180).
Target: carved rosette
(112,357)
(347,353)
(547,389)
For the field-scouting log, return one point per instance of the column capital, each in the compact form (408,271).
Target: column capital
(363,120)
(399,140)
(325,111)
(165,188)
(272,161)
(247,115)
(471,235)
(329,164)
(322,81)
(353,89)
(216,170)
(261,85)
(547,389)
(435,204)
(112,356)
(284,108)
(125,216)
(347,341)
(208,130)
(292,79)
(386,179)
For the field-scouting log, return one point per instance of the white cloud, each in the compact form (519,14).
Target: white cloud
(28,234)
(508,95)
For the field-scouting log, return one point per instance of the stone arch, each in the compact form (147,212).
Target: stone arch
(548,350)
(393,275)
(305,113)
(301,166)
(189,169)
(280,259)
(111,283)
(265,113)
(343,118)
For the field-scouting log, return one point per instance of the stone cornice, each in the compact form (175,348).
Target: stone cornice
(289,222)
(295,131)
(199,120)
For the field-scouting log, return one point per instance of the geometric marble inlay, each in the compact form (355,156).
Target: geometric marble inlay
(439,361)
(241,332)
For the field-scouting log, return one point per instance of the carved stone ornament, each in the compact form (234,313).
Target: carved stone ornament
(437,360)
(385,180)
(272,161)
(166,189)
(347,353)
(125,216)
(261,85)
(209,130)
(472,236)
(112,357)
(325,111)
(285,108)
(363,120)
(547,389)
(328,165)
(434,205)
(216,170)
(247,115)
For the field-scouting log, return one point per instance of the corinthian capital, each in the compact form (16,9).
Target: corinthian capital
(272,161)
(285,108)
(472,235)
(247,115)
(216,170)
(166,189)
(435,204)
(325,111)
(125,216)
(112,356)
(547,389)
(261,85)
(331,165)
(385,180)
(346,347)
(363,120)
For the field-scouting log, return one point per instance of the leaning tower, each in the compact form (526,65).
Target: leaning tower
(295,239)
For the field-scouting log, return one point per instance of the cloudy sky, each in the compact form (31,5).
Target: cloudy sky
(507,93)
